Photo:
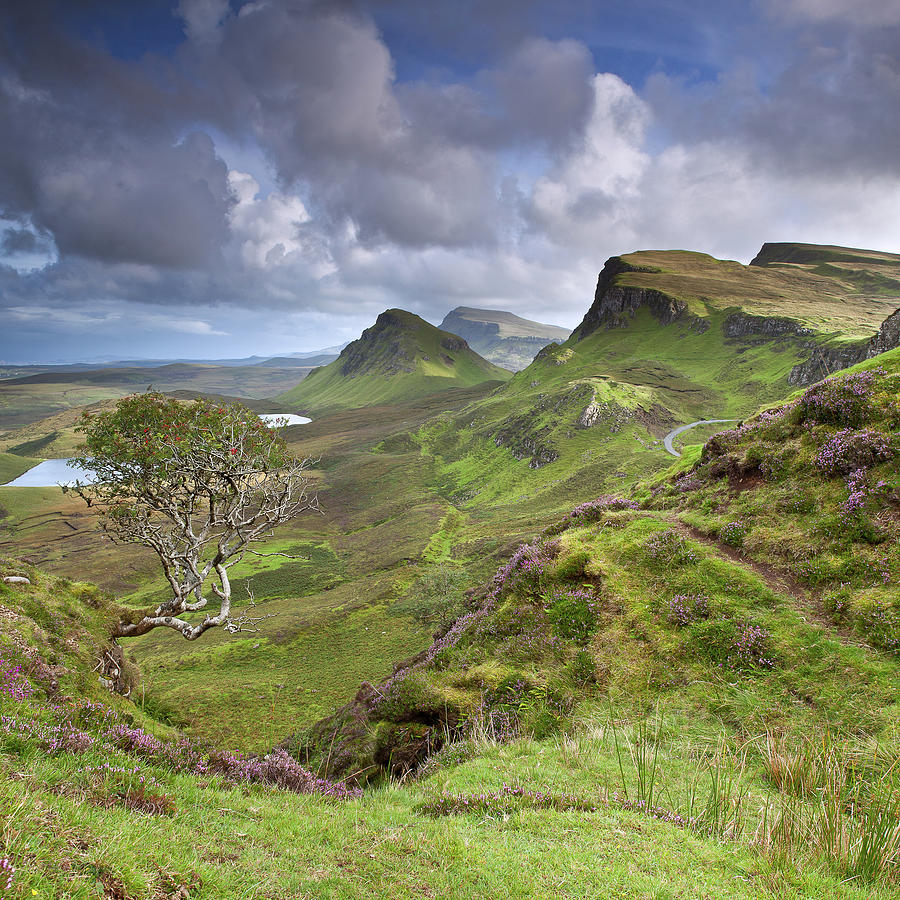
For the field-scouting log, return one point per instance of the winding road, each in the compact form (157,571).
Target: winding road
(667,440)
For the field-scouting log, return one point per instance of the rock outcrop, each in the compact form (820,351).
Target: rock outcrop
(825,360)
(614,305)
(740,325)
(887,338)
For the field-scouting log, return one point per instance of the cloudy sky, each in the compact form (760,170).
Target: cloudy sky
(219,178)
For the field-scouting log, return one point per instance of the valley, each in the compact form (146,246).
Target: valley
(519,624)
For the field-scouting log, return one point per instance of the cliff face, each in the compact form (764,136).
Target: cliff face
(745,325)
(888,336)
(501,337)
(825,360)
(615,304)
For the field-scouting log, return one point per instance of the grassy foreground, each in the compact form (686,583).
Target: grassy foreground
(98,800)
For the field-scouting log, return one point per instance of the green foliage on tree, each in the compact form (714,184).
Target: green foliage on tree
(197,483)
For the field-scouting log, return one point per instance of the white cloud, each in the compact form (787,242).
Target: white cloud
(273,230)
(202,18)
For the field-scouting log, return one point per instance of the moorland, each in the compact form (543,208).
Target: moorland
(521,651)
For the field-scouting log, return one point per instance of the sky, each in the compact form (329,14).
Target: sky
(224,178)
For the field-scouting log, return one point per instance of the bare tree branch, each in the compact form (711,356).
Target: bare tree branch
(197,484)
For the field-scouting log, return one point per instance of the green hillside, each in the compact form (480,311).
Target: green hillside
(671,337)
(623,675)
(399,358)
(502,337)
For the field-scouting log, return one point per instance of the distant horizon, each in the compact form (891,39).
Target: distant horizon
(335,348)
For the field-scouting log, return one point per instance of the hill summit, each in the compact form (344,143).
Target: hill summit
(502,337)
(400,357)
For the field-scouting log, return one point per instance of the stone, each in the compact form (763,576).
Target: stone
(16,579)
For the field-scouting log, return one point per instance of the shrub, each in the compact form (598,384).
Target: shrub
(740,646)
(593,510)
(683,609)
(572,613)
(850,450)
(526,566)
(734,533)
(842,400)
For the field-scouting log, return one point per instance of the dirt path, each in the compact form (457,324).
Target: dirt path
(779,581)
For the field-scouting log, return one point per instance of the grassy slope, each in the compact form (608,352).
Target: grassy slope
(376,480)
(334,617)
(405,358)
(70,834)
(829,299)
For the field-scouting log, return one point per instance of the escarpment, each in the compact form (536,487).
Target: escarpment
(825,360)
(614,304)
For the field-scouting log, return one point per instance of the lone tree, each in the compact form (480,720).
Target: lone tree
(197,483)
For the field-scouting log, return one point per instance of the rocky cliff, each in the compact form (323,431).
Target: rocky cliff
(888,336)
(615,304)
(501,337)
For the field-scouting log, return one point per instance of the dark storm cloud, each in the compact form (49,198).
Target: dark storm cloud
(394,152)
(828,107)
(411,166)
(92,153)
(539,94)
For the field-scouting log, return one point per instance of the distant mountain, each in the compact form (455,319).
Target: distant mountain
(400,357)
(301,358)
(502,337)
(309,361)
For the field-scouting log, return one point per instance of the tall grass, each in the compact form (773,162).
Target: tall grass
(834,803)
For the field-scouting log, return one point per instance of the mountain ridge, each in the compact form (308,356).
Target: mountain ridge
(400,356)
(502,337)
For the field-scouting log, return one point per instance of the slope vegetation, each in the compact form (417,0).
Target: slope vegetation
(671,337)
(399,358)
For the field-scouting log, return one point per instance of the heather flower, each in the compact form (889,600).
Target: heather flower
(13,683)
(733,533)
(843,400)
(683,609)
(849,450)
(593,510)
(750,648)
(7,874)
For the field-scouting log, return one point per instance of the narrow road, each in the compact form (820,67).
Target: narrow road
(667,440)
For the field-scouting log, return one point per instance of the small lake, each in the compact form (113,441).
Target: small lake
(292,419)
(52,472)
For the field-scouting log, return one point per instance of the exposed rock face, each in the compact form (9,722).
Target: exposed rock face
(590,415)
(614,304)
(744,325)
(823,361)
(501,337)
(887,338)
